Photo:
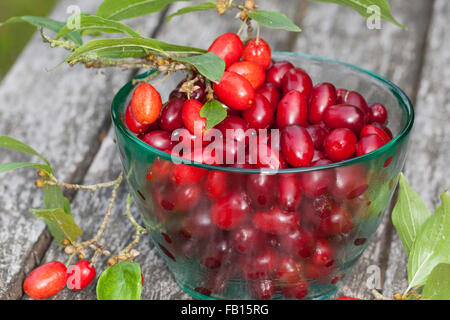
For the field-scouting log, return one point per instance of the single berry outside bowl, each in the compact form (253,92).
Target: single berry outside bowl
(340,208)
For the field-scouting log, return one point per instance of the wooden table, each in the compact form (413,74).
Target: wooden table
(65,114)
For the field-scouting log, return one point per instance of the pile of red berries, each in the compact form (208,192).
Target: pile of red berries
(278,232)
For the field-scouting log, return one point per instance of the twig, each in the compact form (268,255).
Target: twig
(58,43)
(54,181)
(378,296)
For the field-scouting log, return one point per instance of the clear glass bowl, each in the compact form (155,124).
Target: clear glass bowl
(203,259)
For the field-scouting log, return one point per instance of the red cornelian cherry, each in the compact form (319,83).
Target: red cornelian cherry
(369,143)
(318,135)
(229,47)
(198,94)
(373,129)
(191,116)
(292,109)
(80,275)
(45,281)
(276,221)
(351,182)
(260,190)
(288,269)
(258,51)
(339,221)
(236,125)
(159,139)
(131,122)
(300,243)
(315,183)
(259,265)
(260,114)
(170,118)
(216,184)
(340,144)
(235,91)
(269,158)
(289,194)
(262,289)
(215,253)
(182,174)
(146,103)
(271,93)
(159,171)
(247,239)
(323,254)
(355,99)
(186,196)
(378,113)
(297,146)
(344,116)
(230,211)
(277,71)
(198,224)
(323,96)
(347,298)
(298,79)
(251,71)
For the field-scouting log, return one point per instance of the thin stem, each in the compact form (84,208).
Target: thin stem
(70,259)
(93,187)
(258,30)
(162,79)
(242,26)
(378,296)
(58,43)
(146,79)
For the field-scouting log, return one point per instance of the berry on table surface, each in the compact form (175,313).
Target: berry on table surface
(46,280)
(80,275)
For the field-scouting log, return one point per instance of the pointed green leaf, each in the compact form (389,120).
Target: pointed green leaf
(214,112)
(209,65)
(409,214)
(199,7)
(121,281)
(363,7)
(121,53)
(126,9)
(99,24)
(432,245)
(274,20)
(4,167)
(61,222)
(144,43)
(437,286)
(47,23)
(16,145)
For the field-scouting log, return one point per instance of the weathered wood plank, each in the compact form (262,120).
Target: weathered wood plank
(427,167)
(62,113)
(159,283)
(341,34)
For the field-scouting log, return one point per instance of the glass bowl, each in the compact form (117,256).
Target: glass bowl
(308,261)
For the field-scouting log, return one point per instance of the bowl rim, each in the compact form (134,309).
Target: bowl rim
(403,99)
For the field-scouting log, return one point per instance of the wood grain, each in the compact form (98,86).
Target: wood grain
(427,168)
(339,33)
(63,113)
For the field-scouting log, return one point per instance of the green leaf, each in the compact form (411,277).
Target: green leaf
(95,23)
(126,9)
(437,286)
(121,53)
(199,7)
(4,167)
(60,221)
(363,8)
(209,65)
(46,23)
(214,112)
(409,214)
(144,43)
(274,20)
(120,282)
(16,145)
(432,245)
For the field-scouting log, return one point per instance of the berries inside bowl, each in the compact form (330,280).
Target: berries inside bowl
(279,199)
